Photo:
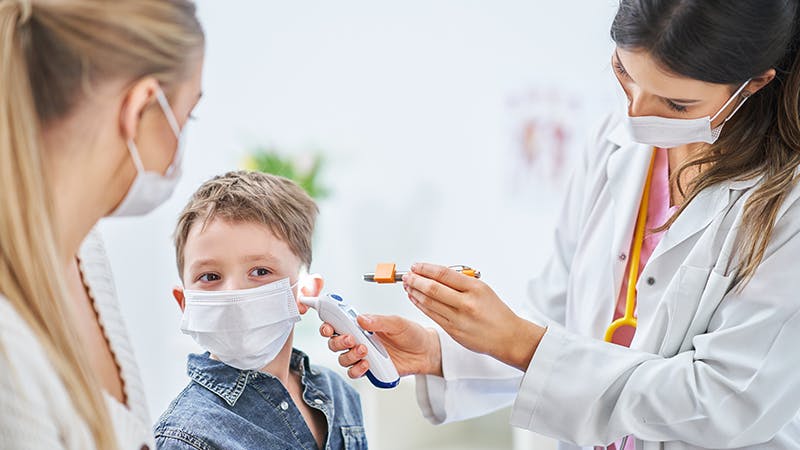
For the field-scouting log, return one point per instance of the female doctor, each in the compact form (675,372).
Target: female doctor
(681,228)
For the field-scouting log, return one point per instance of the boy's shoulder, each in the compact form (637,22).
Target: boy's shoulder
(215,411)
(202,416)
(183,424)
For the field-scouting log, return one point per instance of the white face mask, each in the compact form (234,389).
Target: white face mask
(151,189)
(245,329)
(665,132)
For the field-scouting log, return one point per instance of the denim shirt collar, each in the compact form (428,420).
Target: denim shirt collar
(229,382)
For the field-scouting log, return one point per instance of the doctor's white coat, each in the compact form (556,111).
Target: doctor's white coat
(709,367)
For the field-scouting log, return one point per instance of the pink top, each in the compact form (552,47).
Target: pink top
(658,212)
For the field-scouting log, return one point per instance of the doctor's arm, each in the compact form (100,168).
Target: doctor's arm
(737,386)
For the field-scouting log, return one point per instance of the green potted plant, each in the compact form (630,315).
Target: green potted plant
(303,169)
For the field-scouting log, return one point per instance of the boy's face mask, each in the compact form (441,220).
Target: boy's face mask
(245,329)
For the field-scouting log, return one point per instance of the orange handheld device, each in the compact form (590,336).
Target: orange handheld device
(387,273)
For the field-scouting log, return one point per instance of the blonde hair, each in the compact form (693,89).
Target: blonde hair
(246,196)
(52,53)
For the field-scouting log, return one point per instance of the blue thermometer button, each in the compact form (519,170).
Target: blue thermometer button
(337,298)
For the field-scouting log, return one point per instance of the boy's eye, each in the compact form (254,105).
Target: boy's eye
(259,272)
(208,277)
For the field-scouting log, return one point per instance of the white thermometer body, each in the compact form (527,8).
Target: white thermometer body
(335,311)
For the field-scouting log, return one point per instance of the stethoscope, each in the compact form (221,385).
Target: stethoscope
(628,319)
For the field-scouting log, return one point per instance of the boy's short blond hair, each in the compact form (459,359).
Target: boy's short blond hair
(253,197)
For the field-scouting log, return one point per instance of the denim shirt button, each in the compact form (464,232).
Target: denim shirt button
(284,406)
(317,401)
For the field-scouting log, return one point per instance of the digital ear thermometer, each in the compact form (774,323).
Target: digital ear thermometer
(334,310)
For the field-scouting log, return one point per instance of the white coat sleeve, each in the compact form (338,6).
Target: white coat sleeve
(475,384)
(737,387)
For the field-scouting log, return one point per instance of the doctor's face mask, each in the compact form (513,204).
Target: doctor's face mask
(668,132)
(664,132)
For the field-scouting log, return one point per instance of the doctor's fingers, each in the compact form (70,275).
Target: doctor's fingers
(418,298)
(343,342)
(358,370)
(444,275)
(432,289)
(353,356)
(326,330)
(439,312)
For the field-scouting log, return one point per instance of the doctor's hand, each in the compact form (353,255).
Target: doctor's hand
(414,349)
(472,314)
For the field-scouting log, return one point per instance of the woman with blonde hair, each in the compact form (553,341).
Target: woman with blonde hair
(94,95)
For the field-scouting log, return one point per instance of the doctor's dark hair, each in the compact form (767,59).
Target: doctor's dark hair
(728,42)
(276,202)
(55,55)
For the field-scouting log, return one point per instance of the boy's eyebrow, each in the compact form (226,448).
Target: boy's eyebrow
(202,262)
(259,257)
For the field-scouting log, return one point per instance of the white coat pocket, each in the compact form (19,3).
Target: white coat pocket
(682,304)
(715,290)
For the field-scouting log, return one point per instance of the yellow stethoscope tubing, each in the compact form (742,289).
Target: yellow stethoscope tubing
(628,319)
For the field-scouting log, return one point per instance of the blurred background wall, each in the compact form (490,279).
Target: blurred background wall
(448,129)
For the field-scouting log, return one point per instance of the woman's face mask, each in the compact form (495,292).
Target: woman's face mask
(151,189)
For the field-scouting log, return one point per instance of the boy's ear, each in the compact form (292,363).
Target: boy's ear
(310,286)
(177,292)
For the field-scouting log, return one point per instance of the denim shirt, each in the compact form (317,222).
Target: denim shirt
(231,409)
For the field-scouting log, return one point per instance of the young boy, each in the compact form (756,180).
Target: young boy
(241,244)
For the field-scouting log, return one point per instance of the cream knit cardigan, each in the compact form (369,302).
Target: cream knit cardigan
(35,409)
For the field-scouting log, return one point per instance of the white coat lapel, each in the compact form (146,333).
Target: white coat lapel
(699,214)
(627,172)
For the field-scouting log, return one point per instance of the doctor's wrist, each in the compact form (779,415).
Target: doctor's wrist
(526,338)
(434,347)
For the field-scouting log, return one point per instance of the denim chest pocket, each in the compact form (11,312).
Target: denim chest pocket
(354,438)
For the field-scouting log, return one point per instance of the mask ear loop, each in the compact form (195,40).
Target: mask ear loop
(745,96)
(173,123)
(733,97)
(165,106)
(134,151)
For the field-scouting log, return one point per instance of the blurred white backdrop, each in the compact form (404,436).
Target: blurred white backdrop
(424,111)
